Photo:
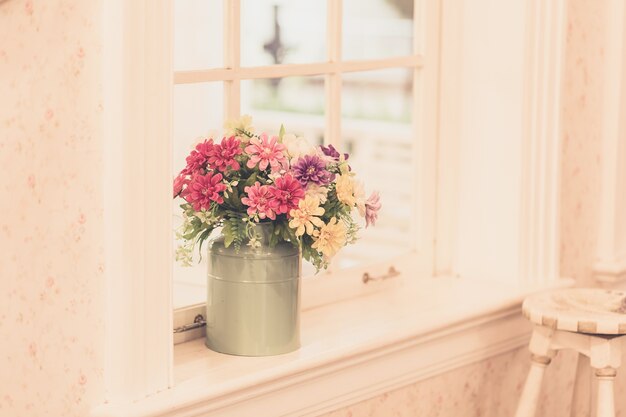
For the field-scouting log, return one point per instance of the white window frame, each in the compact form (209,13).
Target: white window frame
(333,285)
(138,336)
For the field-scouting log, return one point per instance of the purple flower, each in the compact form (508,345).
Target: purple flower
(372,205)
(311,169)
(332,152)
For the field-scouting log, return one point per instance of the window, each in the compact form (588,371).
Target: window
(351,73)
(470,211)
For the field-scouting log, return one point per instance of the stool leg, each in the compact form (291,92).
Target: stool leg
(530,395)
(581,398)
(606,400)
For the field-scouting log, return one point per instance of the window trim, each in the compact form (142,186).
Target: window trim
(334,285)
(136,60)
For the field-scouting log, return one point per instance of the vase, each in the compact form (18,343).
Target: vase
(253,297)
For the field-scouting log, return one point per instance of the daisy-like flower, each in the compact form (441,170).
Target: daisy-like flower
(266,152)
(260,201)
(197,159)
(202,189)
(297,146)
(221,156)
(330,238)
(235,127)
(305,216)
(372,205)
(311,169)
(345,190)
(317,191)
(287,191)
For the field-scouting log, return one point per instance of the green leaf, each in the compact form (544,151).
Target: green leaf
(281,132)
(228,233)
(250,181)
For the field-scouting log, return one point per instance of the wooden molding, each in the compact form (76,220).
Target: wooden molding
(611,246)
(330,385)
(138,324)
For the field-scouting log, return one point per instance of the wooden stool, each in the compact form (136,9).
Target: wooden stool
(590,321)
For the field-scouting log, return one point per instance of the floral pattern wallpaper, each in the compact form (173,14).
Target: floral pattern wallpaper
(51,263)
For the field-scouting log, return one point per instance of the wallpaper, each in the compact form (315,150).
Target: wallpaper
(51,269)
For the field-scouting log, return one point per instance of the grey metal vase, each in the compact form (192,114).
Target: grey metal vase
(253,300)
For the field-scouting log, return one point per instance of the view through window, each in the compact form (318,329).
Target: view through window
(374,111)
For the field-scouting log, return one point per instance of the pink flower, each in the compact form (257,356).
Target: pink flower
(179,183)
(264,152)
(202,189)
(260,201)
(287,191)
(372,205)
(222,155)
(197,159)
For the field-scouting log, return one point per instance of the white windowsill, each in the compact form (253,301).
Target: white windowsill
(350,351)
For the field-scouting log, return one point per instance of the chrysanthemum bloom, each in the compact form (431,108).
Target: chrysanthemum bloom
(260,201)
(317,191)
(287,191)
(202,189)
(179,183)
(264,152)
(372,205)
(305,216)
(311,169)
(330,238)
(222,155)
(197,159)
(297,146)
(345,190)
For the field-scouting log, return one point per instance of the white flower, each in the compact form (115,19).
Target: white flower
(297,146)
(235,127)
(317,191)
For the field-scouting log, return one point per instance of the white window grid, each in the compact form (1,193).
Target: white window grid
(232,73)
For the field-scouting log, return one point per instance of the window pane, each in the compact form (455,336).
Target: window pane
(282,32)
(198,29)
(377,28)
(295,102)
(198,113)
(376,131)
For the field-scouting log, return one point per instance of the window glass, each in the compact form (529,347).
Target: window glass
(198,34)
(377,28)
(282,32)
(377,132)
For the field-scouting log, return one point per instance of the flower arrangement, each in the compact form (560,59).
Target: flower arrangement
(308,193)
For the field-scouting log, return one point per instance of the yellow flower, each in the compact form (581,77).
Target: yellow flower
(359,197)
(304,217)
(345,189)
(330,238)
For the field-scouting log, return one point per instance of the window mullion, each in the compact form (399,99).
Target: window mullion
(232,58)
(333,78)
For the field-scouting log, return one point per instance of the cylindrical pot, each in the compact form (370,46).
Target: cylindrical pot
(253,300)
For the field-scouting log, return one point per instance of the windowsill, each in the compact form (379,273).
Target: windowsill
(350,351)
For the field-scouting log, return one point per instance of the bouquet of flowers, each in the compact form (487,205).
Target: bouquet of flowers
(309,194)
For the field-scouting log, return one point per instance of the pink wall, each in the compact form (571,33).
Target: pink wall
(51,263)
(51,224)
